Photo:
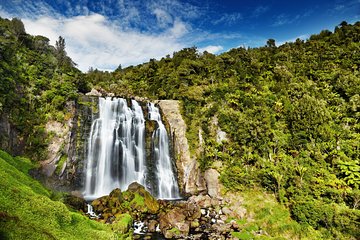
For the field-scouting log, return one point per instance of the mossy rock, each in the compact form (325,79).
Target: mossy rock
(75,202)
(128,196)
(115,198)
(122,223)
(143,200)
(172,233)
(100,204)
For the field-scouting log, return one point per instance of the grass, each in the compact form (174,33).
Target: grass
(266,215)
(27,212)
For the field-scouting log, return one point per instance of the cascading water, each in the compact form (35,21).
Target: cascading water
(116,154)
(167,187)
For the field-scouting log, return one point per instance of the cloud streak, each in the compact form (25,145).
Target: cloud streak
(228,19)
(284,19)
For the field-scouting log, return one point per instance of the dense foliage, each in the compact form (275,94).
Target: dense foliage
(36,82)
(291,114)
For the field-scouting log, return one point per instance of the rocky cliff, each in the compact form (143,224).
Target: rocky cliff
(64,165)
(191,179)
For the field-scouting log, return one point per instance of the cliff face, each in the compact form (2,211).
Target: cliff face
(191,179)
(64,166)
(9,140)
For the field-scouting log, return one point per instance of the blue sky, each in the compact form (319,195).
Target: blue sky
(105,33)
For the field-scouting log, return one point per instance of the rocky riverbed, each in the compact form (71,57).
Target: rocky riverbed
(135,212)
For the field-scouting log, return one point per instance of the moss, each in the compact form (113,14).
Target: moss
(122,223)
(243,235)
(60,164)
(175,231)
(138,203)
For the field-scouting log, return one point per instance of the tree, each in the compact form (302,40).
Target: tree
(18,28)
(271,43)
(60,51)
(64,62)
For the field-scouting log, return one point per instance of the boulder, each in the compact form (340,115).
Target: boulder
(152,226)
(100,204)
(75,202)
(115,199)
(212,182)
(171,218)
(203,201)
(192,211)
(94,93)
(148,201)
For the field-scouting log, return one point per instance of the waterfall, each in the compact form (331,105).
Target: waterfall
(116,154)
(167,187)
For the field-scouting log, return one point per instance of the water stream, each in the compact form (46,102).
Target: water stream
(116,154)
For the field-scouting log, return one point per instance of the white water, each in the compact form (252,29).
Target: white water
(116,154)
(90,212)
(167,187)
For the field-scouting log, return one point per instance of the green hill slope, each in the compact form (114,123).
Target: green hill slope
(27,212)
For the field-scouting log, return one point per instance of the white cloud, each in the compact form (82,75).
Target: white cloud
(163,18)
(93,41)
(178,29)
(211,49)
(103,34)
(45,26)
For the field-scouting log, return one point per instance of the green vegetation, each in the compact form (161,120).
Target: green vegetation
(291,114)
(122,224)
(36,82)
(27,211)
(265,215)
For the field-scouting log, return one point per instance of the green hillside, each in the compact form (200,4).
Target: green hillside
(27,210)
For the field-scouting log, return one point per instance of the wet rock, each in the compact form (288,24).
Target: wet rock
(234,225)
(203,211)
(223,217)
(75,202)
(100,204)
(115,198)
(152,226)
(171,218)
(192,211)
